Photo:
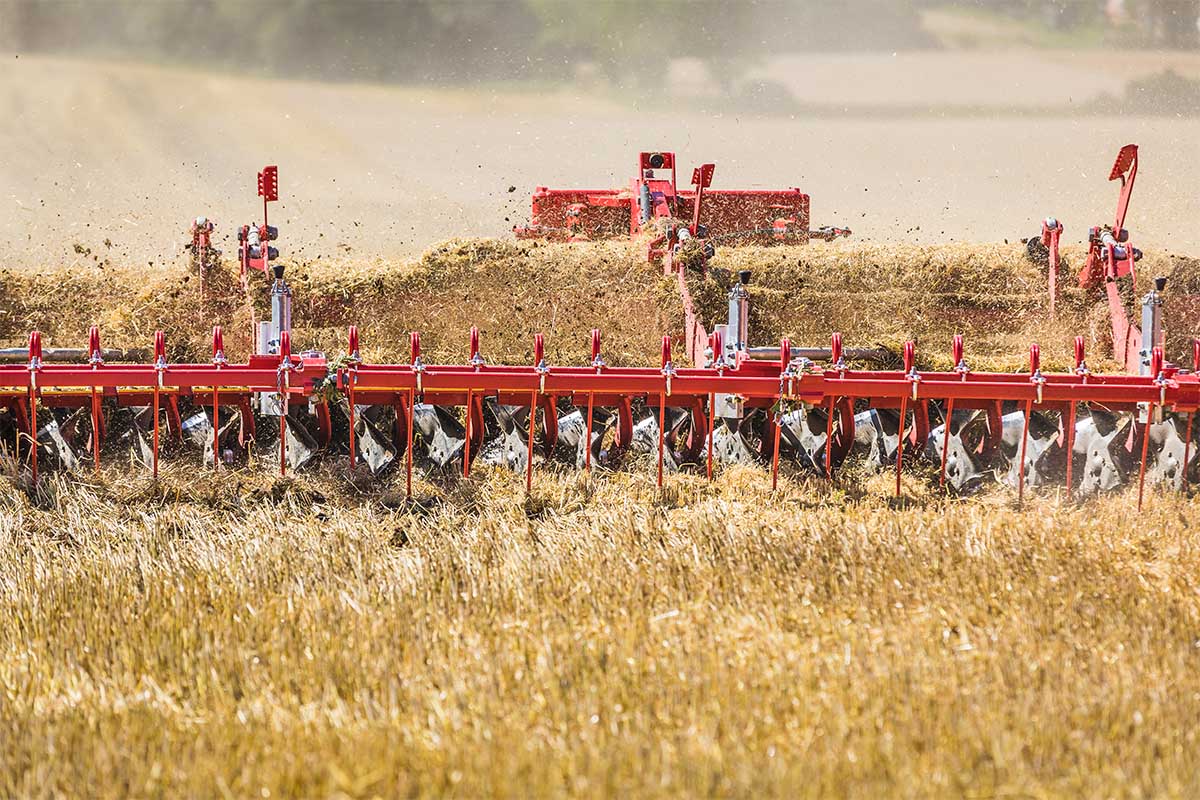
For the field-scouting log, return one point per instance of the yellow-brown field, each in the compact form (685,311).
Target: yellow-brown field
(242,637)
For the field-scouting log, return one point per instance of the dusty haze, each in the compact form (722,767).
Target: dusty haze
(109,158)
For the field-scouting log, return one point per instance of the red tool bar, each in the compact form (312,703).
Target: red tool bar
(1182,392)
(757,382)
(133,376)
(177,376)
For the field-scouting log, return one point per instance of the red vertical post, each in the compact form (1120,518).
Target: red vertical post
(712,421)
(285,367)
(155,435)
(1070,444)
(597,364)
(1145,450)
(352,351)
(218,361)
(910,357)
(946,439)
(94,357)
(35,364)
(408,453)
(1156,370)
(662,404)
(467,441)
(775,454)
(1187,439)
(529,452)
(95,430)
(1051,232)
(662,424)
(350,401)
(160,364)
(587,453)
(900,441)
(1021,464)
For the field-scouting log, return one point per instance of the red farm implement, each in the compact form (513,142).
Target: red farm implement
(654,205)
(723,401)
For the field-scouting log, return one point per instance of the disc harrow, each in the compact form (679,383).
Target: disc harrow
(713,399)
(816,414)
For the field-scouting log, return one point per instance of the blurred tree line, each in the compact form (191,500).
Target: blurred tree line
(1157,23)
(628,42)
(454,41)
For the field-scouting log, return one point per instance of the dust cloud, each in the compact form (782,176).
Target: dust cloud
(399,124)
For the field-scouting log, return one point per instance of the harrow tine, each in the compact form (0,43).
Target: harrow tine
(539,364)
(160,364)
(785,358)
(95,359)
(1080,370)
(1156,366)
(95,430)
(829,440)
(283,445)
(662,425)
(1145,448)
(475,360)
(218,361)
(1035,377)
(352,351)
(1187,441)
(533,405)
(598,364)
(910,353)
(35,363)
(900,441)
(466,468)
(408,457)
(960,366)
(1021,463)
(414,342)
(587,453)
(350,407)
(285,363)
(667,371)
(712,413)
(1070,443)
(775,455)
(949,415)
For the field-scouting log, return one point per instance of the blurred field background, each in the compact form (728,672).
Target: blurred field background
(238,635)
(397,124)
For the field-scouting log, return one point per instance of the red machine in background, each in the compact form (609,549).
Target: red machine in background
(254,248)
(1111,266)
(655,204)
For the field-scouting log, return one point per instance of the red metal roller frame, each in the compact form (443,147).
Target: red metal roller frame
(219,383)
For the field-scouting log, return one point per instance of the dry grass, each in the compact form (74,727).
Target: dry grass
(239,637)
(874,294)
(511,291)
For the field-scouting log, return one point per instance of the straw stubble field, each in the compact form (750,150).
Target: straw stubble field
(243,635)
(251,637)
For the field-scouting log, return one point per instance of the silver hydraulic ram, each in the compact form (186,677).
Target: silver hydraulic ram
(1152,336)
(735,335)
(1152,331)
(737,332)
(270,334)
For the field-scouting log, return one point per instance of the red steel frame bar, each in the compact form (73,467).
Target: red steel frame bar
(760,384)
